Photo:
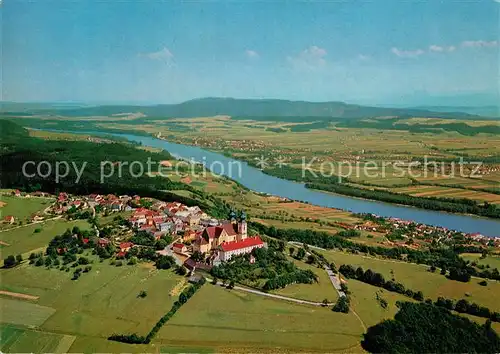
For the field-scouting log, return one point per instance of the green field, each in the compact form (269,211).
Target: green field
(22,208)
(24,313)
(417,277)
(100,303)
(23,340)
(319,291)
(24,239)
(492,261)
(222,319)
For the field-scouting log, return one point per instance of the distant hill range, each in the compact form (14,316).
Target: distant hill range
(269,108)
(486,111)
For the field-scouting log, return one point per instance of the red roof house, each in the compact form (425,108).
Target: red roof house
(9,219)
(179,248)
(125,246)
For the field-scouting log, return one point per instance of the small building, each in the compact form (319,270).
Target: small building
(179,248)
(9,219)
(103,242)
(166,227)
(126,246)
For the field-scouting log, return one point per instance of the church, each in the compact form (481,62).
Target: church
(228,239)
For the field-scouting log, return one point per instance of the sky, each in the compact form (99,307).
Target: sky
(368,52)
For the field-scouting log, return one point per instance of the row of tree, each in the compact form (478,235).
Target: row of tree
(471,308)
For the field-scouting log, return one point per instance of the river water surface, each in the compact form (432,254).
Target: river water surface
(254,179)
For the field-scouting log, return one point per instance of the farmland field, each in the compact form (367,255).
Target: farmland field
(223,319)
(448,192)
(23,340)
(23,240)
(417,277)
(22,208)
(24,313)
(100,303)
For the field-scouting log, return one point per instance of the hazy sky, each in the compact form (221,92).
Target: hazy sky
(379,51)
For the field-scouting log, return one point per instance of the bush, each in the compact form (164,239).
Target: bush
(9,262)
(342,305)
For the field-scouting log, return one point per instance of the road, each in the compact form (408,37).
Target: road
(169,252)
(335,280)
(274,296)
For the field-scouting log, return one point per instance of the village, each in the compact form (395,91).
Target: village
(188,229)
(196,239)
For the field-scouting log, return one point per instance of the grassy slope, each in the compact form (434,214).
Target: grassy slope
(417,277)
(220,318)
(24,239)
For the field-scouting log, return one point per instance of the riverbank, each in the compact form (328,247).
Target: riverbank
(255,180)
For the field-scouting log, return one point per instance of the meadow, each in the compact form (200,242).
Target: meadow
(100,303)
(317,292)
(25,239)
(491,260)
(22,208)
(418,277)
(227,320)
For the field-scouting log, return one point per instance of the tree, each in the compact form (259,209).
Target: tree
(161,244)
(197,256)
(311,259)
(183,298)
(9,262)
(142,294)
(291,250)
(342,305)
(333,267)
(324,302)
(214,281)
(231,284)
(181,270)
(301,253)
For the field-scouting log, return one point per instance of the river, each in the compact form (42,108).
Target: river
(256,180)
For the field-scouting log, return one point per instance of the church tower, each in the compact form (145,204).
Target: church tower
(242,226)
(232,217)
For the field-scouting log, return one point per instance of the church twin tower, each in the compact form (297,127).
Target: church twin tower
(241,221)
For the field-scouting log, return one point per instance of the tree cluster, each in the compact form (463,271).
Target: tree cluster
(424,328)
(270,264)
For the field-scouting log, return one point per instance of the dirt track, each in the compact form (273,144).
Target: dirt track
(19,295)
